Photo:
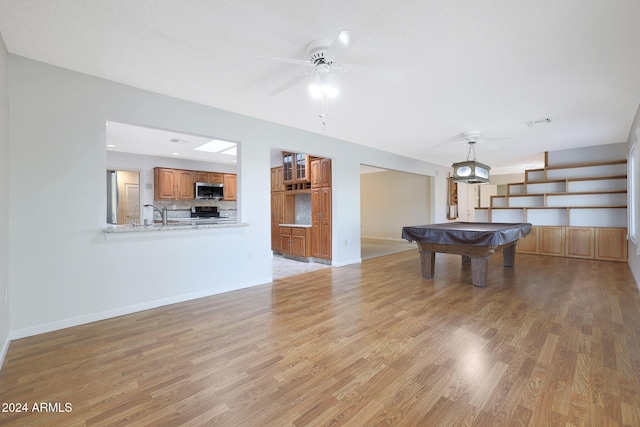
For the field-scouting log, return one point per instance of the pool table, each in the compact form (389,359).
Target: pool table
(475,241)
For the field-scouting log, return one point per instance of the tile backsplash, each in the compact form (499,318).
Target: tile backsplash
(303,209)
(182,208)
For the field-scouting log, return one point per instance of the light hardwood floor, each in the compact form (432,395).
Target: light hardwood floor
(555,341)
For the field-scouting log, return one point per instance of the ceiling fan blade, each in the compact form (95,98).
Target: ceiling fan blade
(288,84)
(368,71)
(303,62)
(345,39)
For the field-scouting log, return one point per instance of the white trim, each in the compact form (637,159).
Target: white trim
(344,263)
(4,349)
(633,205)
(94,317)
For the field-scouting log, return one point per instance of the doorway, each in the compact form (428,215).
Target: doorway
(390,200)
(123,197)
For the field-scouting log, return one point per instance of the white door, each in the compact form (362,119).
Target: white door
(467,201)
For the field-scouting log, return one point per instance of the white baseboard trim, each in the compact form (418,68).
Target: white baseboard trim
(635,276)
(94,317)
(343,263)
(4,349)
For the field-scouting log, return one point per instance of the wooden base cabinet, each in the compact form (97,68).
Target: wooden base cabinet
(529,244)
(295,241)
(600,243)
(551,241)
(580,242)
(611,244)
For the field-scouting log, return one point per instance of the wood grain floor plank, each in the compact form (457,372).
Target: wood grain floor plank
(551,342)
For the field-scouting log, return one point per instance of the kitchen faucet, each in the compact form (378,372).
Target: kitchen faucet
(163,212)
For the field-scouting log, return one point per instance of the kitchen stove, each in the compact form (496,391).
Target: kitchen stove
(205,212)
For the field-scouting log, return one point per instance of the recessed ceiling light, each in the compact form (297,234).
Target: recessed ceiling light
(111,145)
(216,146)
(176,154)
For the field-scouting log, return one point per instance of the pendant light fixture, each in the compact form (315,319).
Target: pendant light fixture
(471,171)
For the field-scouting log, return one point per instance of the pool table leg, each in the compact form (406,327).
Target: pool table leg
(509,256)
(479,271)
(428,261)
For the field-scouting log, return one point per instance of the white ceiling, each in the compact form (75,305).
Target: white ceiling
(159,142)
(468,65)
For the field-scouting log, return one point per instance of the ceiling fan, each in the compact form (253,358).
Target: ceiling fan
(471,138)
(323,60)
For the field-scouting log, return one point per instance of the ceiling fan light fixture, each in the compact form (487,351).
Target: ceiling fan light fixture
(324,85)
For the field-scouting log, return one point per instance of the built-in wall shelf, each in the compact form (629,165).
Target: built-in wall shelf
(567,199)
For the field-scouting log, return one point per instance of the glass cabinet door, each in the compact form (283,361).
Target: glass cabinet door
(287,167)
(301,167)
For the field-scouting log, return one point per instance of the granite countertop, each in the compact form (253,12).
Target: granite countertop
(182,224)
(296,225)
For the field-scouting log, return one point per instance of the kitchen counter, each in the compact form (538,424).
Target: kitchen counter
(182,224)
(296,225)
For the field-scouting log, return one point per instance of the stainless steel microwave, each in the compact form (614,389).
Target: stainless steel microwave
(206,190)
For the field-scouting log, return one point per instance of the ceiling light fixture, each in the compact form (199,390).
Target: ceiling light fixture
(534,123)
(324,83)
(471,171)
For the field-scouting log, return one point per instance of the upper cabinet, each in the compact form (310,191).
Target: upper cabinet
(277,183)
(173,184)
(230,181)
(295,167)
(208,177)
(178,184)
(320,173)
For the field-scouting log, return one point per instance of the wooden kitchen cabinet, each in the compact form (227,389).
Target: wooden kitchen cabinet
(200,176)
(277,183)
(295,167)
(164,183)
(295,241)
(320,173)
(185,187)
(173,184)
(321,222)
(230,181)
(277,218)
(215,178)
(208,177)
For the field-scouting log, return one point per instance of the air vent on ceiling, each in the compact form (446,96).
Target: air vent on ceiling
(534,123)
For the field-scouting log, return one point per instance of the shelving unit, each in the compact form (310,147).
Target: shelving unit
(578,210)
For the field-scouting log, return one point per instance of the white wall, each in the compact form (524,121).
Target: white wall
(597,153)
(390,200)
(5,322)
(507,179)
(64,272)
(634,257)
